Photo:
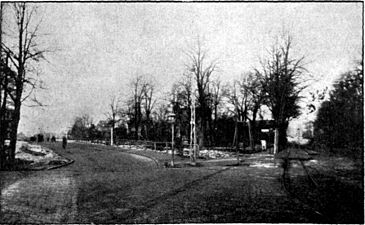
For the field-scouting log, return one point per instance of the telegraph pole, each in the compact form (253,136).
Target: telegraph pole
(112,135)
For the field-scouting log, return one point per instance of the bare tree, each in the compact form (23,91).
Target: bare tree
(243,99)
(181,90)
(217,95)
(112,115)
(253,86)
(202,72)
(283,80)
(149,89)
(22,55)
(7,76)
(138,90)
(160,113)
(237,96)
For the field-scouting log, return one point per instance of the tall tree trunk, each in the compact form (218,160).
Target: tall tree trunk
(137,119)
(148,124)
(3,128)
(237,137)
(253,125)
(19,88)
(202,123)
(14,129)
(3,122)
(252,142)
(282,136)
(2,143)
(201,132)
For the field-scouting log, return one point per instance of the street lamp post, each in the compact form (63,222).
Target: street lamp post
(171,119)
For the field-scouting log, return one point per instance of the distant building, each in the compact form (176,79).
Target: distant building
(264,130)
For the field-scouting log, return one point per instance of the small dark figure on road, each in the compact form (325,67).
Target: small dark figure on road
(53,139)
(64,142)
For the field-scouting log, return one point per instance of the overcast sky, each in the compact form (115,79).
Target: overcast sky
(102,45)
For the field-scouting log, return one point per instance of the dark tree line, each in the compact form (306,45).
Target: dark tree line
(340,119)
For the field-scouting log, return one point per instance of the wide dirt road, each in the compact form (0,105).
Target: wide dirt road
(107,185)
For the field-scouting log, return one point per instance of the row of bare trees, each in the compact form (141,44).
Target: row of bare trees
(136,110)
(131,115)
(275,86)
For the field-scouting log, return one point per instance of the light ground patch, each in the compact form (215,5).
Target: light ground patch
(41,199)
(141,158)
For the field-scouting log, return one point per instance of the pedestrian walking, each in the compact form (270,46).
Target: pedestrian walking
(64,142)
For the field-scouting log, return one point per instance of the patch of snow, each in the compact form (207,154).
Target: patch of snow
(170,152)
(265,165)
(21,152)
(213,154)
(312,162)
(142,158)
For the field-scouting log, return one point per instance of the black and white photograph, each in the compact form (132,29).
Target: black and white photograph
(181,112)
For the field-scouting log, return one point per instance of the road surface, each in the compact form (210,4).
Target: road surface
(113,186)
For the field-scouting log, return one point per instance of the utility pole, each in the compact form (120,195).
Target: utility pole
(112,135)
(172,142)
(236,134)
(276,141)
